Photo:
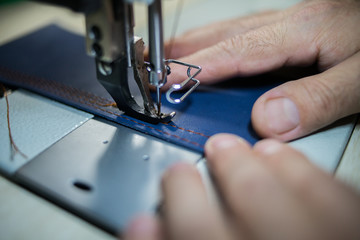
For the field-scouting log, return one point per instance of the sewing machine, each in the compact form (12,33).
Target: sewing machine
(99,194)
(91,182)
(119,56)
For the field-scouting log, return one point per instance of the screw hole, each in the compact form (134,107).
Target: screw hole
(82,185)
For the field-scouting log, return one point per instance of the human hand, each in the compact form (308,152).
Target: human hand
(325,32)
(269,191)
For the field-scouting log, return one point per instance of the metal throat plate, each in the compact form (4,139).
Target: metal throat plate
(104,172)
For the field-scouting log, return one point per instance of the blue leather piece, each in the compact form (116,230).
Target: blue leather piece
(53,62)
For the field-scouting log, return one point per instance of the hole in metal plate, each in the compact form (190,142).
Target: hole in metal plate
(82,185)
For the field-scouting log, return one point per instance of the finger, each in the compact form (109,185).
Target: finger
(300,107)
(253,193)
(257,51)
(318,191)
(306,34)
(292,167)
(143,228)
(206,36)
(187,210)
(338,33)
(297,171)
(203,37)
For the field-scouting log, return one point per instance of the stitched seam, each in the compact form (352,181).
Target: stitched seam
(71,91)
(84,98)
(142,124)
(187,130)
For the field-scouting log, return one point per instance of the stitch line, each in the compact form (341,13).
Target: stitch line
(68,90)
(187,130)
(70,93)
(13,145)
(142,124)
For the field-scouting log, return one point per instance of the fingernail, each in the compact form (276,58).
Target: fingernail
(282,115)
(142,226)
(222,142)
(268,146)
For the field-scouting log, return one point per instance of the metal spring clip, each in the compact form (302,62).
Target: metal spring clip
(180,86)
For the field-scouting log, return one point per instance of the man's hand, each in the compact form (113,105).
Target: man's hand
(269,191)
(325,32)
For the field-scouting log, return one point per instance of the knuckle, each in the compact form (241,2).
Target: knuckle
(262,43)
(268,36)
(253,44)
(227,49)
(323,98)
(229,46)
(316,9)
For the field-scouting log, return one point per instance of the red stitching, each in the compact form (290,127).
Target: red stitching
(142,124)
(86,98)
(187,130)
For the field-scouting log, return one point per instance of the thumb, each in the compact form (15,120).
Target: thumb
(300,107)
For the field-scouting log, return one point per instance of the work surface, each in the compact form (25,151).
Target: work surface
(18,206)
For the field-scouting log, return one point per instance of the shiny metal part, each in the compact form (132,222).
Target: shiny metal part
(112,175)
(158,99)
(104,31)
(119,58)
(104,68)
(157,73)
(117,84)
(181,86)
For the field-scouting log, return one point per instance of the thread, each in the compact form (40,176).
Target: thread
(179,7)
(61,91)
(14,148)
(113,104)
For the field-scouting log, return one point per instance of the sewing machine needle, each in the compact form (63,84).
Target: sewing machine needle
(158,95)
